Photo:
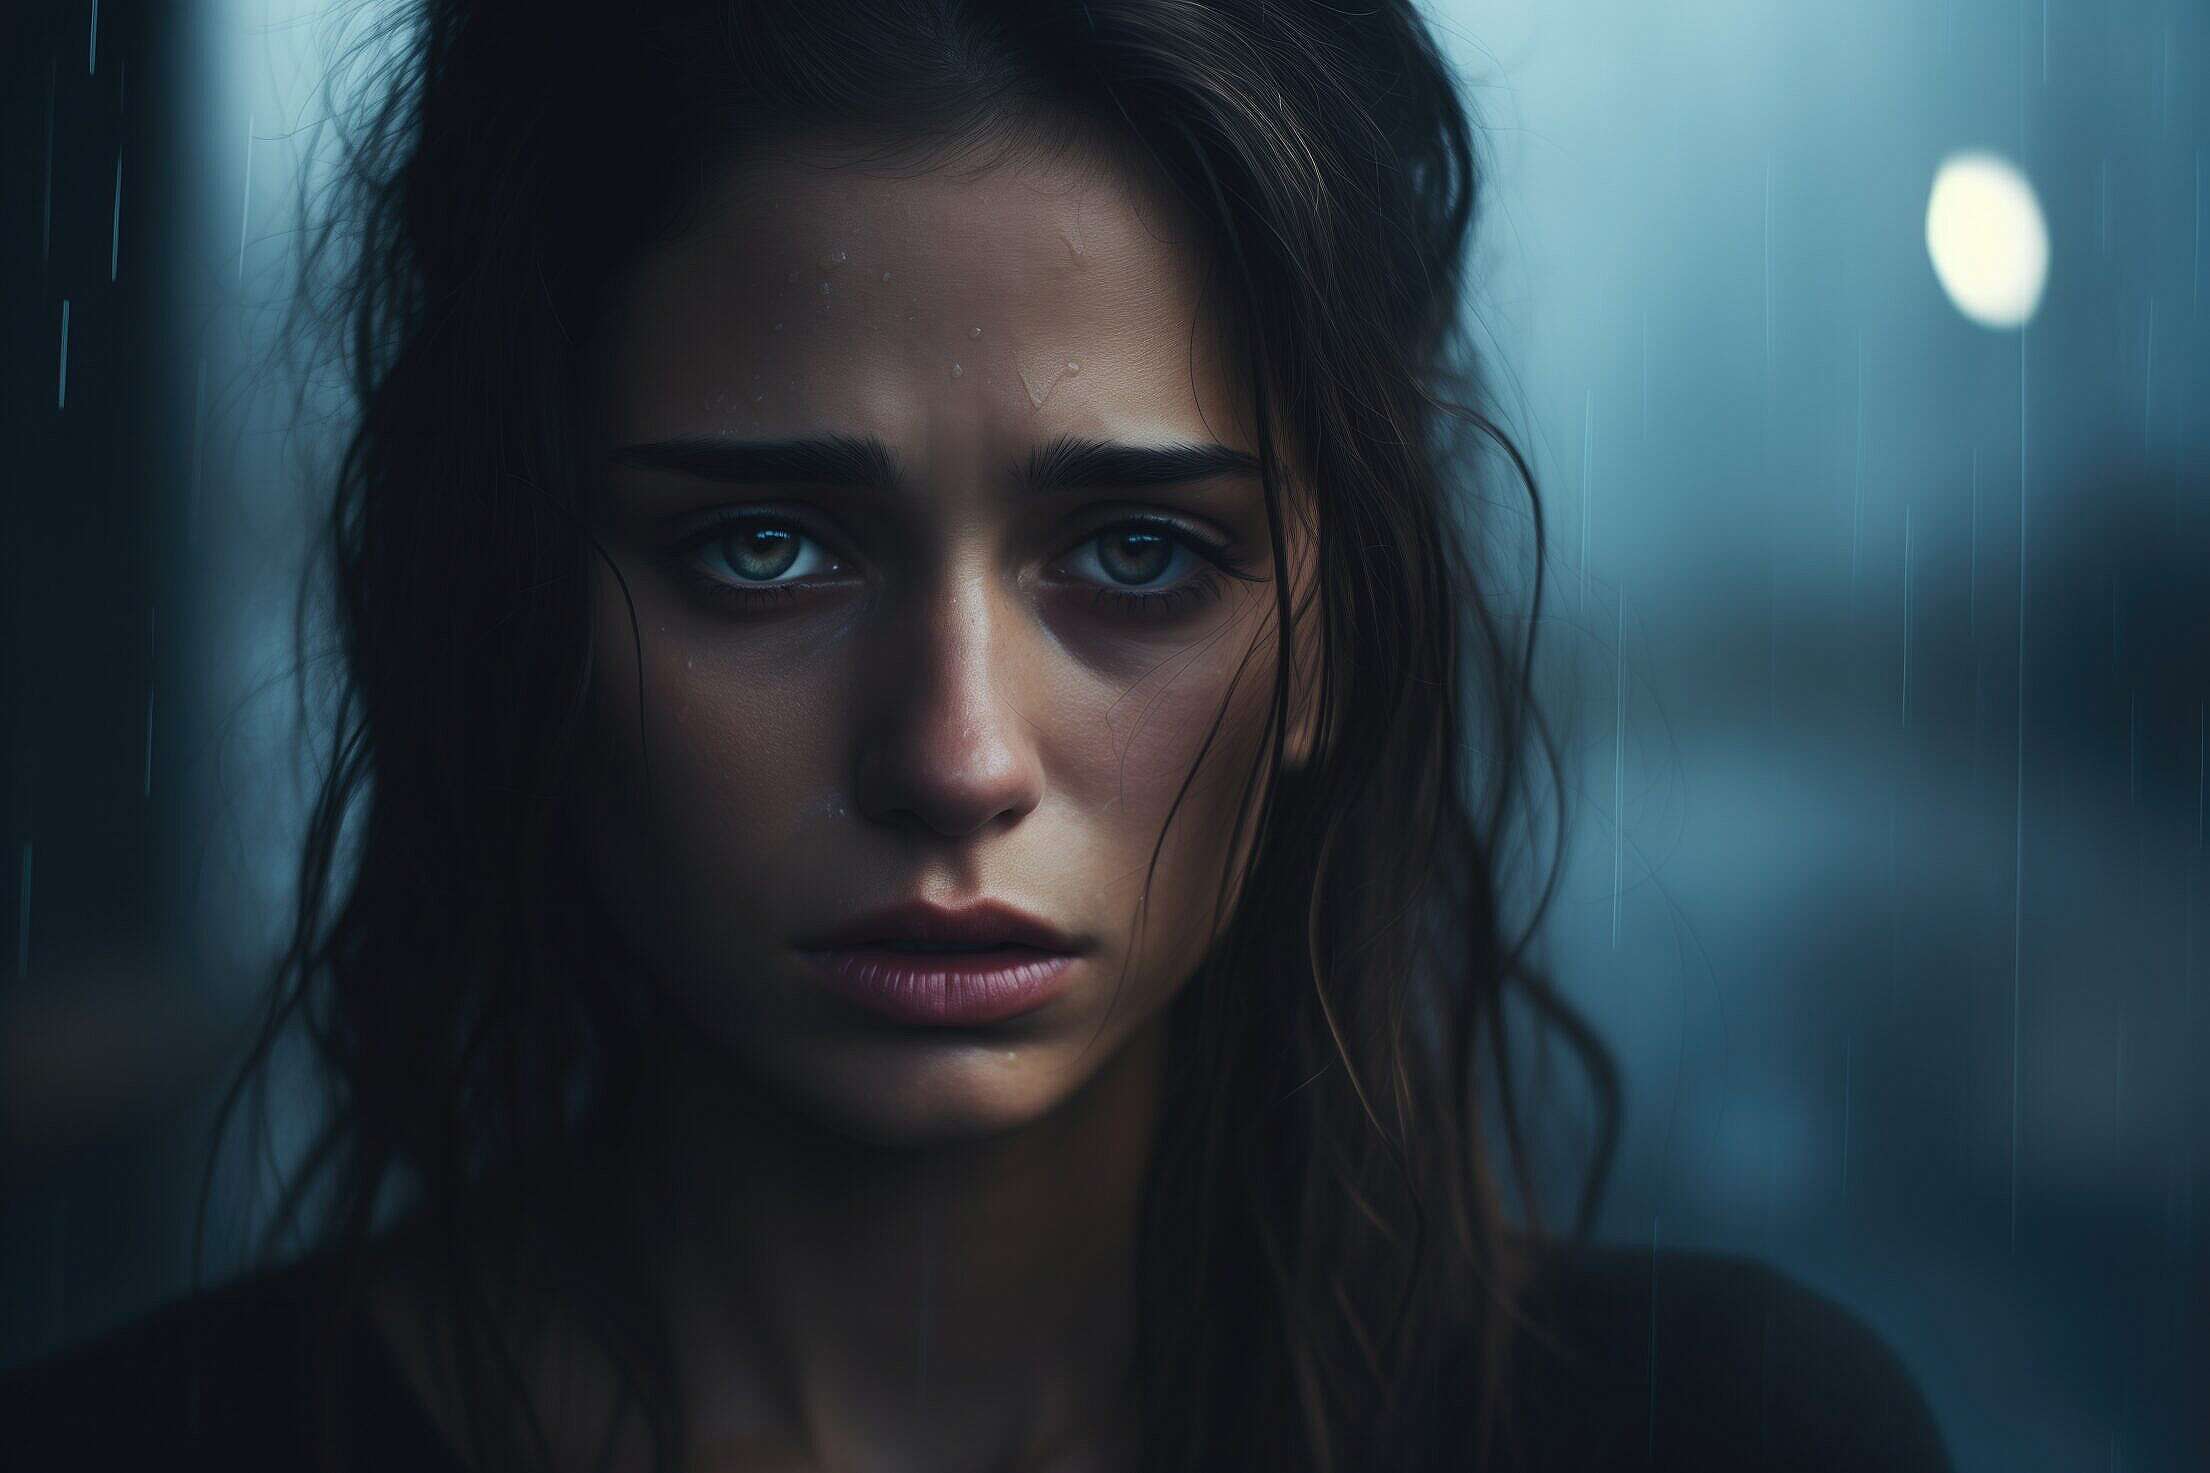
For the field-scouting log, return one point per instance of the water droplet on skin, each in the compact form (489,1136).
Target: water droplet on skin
(795,273)
(886,276)
(824,288)
(778,327)
(1038,392)
(957,370)
(832,259)
(974,332)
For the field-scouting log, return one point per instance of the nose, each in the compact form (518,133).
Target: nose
(943,749)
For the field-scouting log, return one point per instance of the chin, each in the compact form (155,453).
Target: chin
(926,1087)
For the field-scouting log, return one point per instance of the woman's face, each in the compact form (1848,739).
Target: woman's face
(924,614)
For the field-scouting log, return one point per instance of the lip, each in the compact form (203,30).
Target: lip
(1010,963)
(984,923)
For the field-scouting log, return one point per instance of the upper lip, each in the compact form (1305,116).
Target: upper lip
(984,923)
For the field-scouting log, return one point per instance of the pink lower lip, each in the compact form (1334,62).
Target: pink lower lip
(946,989)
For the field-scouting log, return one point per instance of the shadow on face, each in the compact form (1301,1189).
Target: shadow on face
(943,566)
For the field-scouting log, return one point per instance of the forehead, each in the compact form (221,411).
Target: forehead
(1029,299)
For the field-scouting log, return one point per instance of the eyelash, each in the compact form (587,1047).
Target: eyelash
(1200,588)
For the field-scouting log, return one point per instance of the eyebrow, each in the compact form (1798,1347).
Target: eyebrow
(1068,463)
(834,460)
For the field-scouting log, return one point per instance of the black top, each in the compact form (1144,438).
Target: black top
(1753,1372)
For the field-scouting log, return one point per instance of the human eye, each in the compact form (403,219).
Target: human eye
(1147,567)
(755,558)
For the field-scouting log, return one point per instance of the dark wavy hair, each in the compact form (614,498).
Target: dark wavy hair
(1327,1261)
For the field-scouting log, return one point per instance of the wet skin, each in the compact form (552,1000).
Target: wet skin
(925,675)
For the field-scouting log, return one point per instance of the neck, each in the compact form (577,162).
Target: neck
(956,1304)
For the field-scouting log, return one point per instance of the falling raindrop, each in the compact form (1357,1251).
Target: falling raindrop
(199,425)
(2117,627)
(1588,419)
(1619,773)
(2118,1089)
(1972,589)
(1906,614)
(92,42)
(2164,87)
(245,209)
(1768,274)
(2195,274)
(61,389)
(2102,207)
(1645,380)
(1849,1066)
(115,223)
(1857,481)
(2148,375)
(145,787)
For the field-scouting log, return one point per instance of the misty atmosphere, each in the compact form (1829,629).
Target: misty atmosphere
(1876,626)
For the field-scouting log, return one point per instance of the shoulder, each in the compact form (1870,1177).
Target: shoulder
(1695,1360)
(226,1378)
(216,1370)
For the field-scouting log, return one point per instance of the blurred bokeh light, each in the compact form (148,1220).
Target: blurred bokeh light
(1880,644)
(1989,244)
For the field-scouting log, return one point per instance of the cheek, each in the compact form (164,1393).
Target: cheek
(746,742)
(1134,757)
(710,770)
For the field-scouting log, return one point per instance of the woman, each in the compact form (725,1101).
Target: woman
(911,891)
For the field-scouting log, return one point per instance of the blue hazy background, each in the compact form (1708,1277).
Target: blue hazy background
(1880,642)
